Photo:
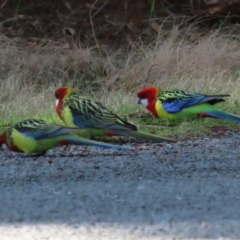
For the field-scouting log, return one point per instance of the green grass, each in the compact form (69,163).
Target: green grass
(145,121)
(183,128)
(185,59)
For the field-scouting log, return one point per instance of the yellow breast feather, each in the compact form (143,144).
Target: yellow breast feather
(163,113)
(22,142)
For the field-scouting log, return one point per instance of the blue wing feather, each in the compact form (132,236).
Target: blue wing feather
(174,101)
(174,105)
(39,129)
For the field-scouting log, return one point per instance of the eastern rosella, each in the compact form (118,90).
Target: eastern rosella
(37,136)
(177,104)
(96,119)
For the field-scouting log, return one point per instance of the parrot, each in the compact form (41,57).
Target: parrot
(177,104)
(94,118)
(37,136)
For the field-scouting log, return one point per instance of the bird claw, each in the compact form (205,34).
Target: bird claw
(39,154)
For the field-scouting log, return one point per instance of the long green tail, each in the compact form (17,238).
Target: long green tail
(145,136)
(223,115)
(84,141)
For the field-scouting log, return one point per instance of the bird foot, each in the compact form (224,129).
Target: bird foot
(38,154)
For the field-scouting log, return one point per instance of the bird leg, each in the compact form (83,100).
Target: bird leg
(39,154)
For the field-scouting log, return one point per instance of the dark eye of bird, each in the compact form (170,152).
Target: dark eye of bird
(56,95)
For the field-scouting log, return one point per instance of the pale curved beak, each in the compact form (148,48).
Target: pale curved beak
(138,100)
(143,101)
(57,101)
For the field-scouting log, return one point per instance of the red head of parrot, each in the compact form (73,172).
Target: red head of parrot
(147,97)
(60,94)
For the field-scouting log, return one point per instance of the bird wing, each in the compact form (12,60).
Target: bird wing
(39,129)
(175,100)
(91,114)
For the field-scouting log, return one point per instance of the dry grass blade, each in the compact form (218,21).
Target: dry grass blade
(185,60)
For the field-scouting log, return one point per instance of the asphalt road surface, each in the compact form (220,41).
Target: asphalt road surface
(189,189)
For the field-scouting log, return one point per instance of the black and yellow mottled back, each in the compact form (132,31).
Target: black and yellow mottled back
(39,129)
(175,100)
(91,114)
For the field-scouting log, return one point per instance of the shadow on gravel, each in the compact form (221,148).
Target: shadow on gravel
(183,185)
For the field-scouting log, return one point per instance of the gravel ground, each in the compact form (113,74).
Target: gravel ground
(189,189)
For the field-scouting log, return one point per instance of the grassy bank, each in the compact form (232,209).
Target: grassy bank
(206,63)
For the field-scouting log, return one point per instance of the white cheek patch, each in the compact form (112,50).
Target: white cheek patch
(144,102)
(4,147)
(57,101)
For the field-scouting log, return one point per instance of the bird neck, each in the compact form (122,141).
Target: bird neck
(3,138)
(60,103)
(11,146)
(59,108)
(152,108)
